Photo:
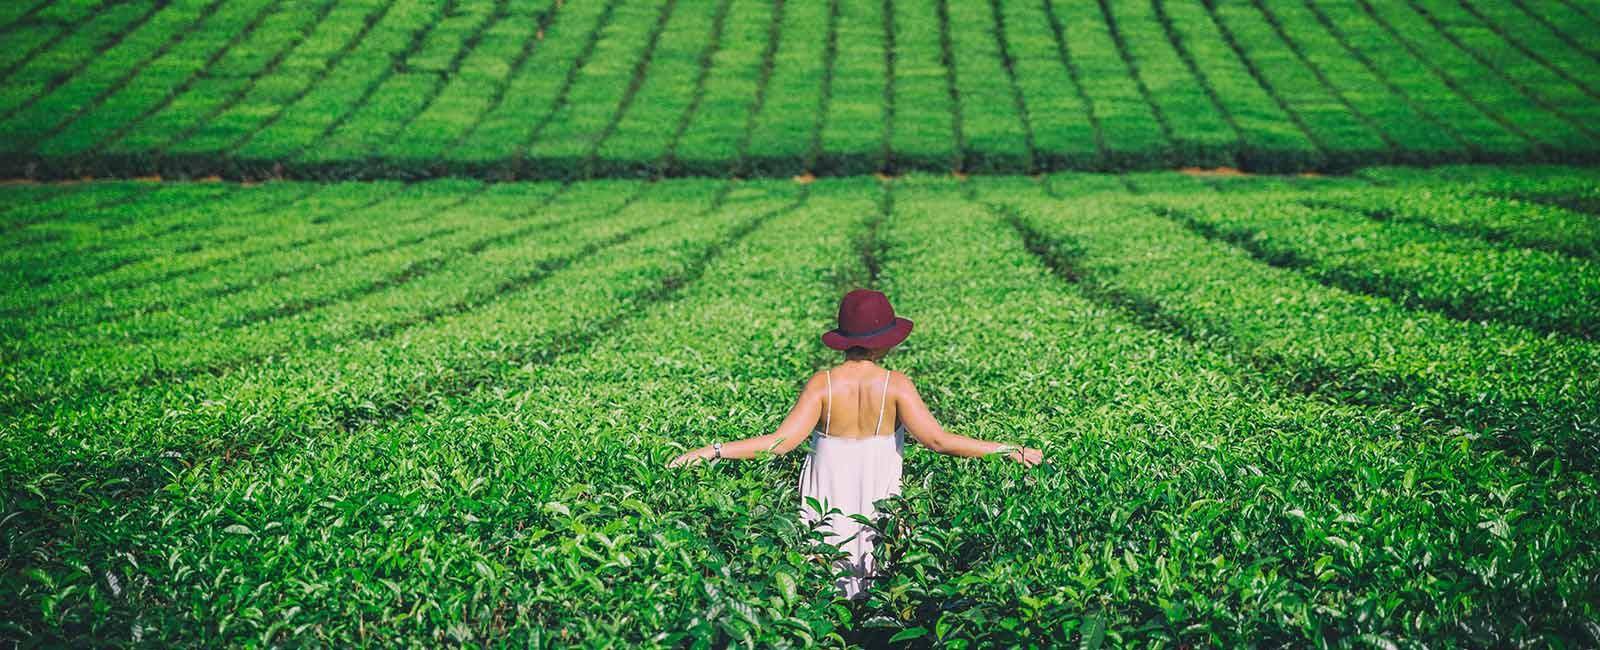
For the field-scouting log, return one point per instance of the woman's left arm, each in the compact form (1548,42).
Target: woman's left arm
(796,427)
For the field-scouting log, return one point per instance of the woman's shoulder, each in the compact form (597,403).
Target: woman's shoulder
(899,381)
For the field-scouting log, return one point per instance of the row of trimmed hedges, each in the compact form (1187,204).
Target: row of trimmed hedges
(536,89)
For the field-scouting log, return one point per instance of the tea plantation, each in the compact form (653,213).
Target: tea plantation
(375,322)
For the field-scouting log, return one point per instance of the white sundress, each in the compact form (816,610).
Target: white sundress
(850,474)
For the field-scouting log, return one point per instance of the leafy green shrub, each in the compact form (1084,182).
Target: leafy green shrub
(439,412)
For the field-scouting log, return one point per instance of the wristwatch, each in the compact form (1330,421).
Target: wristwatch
(716,448)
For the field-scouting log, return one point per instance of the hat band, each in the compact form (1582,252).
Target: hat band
(875,332)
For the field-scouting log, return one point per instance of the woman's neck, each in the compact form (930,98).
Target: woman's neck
(869,357)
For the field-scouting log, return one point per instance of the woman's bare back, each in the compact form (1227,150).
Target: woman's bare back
(859,401)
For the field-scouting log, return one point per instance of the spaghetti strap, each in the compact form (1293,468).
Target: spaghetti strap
(883,403)
(827,418)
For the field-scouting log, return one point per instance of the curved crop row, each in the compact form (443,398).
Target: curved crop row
(993,133)
(1411,264)
(1123,383)
(1517,220)
(1134,137)
(345,211)
(1440,366)
(91,40)
(590,164)
(1205,131)
(784,118)
(1479,76)
(1563,33)
(735,274)
(23,12)
(602,93)
(1540,83)
(1453,88)
(425,76)
(483,88)
(168,31)
(1302,36)
(1514,31)
(215,95)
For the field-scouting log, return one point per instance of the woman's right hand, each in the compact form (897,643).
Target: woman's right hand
(1027,456)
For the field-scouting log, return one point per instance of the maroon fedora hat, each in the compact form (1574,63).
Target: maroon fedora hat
(866,320)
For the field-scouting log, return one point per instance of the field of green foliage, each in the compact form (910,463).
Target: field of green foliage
(431,291)
(1287,410)
(546,89)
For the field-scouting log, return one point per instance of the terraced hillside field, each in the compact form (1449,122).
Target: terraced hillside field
(544,89)
(1291,410)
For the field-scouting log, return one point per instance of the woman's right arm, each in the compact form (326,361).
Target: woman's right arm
(921,424)
(794,430)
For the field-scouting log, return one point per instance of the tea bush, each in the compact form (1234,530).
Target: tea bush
(536,89)
(440,412)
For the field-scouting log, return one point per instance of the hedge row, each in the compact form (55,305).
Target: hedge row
(534,89)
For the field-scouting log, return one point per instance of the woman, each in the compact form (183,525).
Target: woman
(852,464)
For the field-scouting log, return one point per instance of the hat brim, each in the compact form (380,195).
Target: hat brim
(889,338)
